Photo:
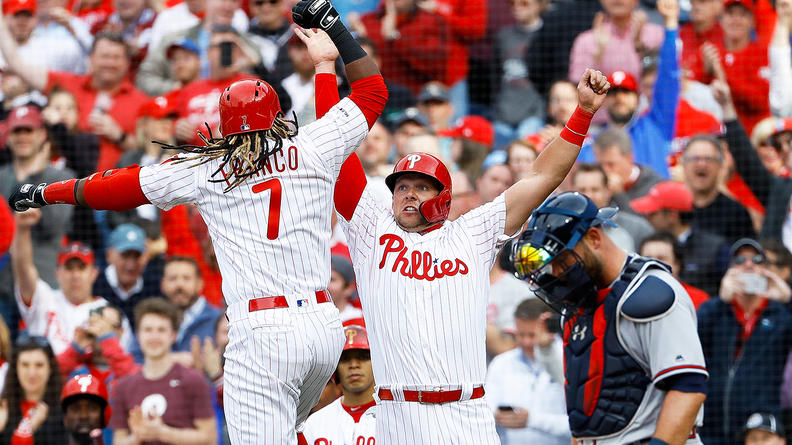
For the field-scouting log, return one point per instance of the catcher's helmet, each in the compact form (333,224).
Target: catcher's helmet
(356,338)
(86,385)
(554,228)
(434,209)
(248,105)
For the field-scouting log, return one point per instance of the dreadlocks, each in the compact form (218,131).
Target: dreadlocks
(244,154)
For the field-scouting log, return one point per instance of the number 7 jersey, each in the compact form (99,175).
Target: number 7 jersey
(271,234)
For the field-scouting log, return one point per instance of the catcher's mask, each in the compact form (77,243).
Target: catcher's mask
(553,231)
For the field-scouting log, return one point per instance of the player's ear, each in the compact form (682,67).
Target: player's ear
(593,237)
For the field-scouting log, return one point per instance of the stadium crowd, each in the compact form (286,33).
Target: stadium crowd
(694,145)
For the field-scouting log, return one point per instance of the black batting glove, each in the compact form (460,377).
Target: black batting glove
(317,14)
(27,196)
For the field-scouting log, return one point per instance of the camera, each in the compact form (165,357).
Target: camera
(753,283)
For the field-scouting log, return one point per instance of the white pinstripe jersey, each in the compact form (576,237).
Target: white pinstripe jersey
(425,296)
(271,234)
(333,425)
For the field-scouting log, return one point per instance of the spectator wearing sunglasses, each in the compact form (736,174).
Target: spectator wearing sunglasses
(746,335)
(30,407)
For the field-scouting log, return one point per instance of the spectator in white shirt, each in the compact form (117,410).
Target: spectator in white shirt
(49,313)
(525,385)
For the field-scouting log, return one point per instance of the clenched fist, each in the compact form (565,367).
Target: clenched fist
(592,89)
(27,196)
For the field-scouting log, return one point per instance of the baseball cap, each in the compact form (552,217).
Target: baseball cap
(343,267)
(128,237)
(497,157)
(11,7)
(783,125)
(77,250)
(474,128)
(667,195)
(748,4)
(623,80)
(434,91)
(411,114)
(183,43)
(763,421)
(158,108)
(26,116)
(745,242)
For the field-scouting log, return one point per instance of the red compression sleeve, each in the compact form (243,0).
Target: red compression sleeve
(349,186)
(115,190)
(576,127)
(326,93)
(370,95)
(61,192)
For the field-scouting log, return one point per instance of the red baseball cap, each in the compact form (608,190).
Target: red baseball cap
(667,195)
(475,128)
(748,4)
(77,250)
(26,116)
(623,80)
(11,7)
(158,108)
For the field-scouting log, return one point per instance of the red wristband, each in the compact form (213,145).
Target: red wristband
(577,126)
(61,192)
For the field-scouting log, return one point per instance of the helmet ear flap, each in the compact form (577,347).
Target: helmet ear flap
(436,209)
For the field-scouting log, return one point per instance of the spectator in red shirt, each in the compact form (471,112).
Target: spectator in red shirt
(164,402)
(467,22)
(703,27)
(741,61)
(664,246)
(397,29)
(30,409)
(197,102)
(107,102)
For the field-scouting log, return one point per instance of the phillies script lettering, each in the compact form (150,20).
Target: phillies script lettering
(417,264)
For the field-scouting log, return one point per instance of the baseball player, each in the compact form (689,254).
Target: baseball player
(634,365)
(350,419)
(85,409)
(264,190)
(424,282)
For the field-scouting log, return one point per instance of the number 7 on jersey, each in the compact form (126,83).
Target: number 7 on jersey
(273,220)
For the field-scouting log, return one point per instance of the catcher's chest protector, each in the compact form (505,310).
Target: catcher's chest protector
(604,384)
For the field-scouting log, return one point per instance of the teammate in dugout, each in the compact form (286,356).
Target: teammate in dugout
(635,371)
(424,281)
(350,419)
(264,191)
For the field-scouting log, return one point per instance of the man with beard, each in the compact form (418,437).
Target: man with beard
(633,362)
(350,418)
(85,409)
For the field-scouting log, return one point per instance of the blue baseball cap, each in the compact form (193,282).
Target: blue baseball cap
(128,237)
(183,43)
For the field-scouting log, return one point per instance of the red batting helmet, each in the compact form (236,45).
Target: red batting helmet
(248,105)
(434,209)
(356,337)
(86,385)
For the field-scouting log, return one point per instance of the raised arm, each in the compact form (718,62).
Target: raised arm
(368,87)
(25,274)
(555,161)
(33,75)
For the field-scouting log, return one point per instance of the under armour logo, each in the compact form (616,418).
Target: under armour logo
(244,126)
(350,335)
(413,159)
(579,332)
(84,382)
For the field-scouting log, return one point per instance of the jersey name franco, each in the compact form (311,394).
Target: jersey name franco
(269,231)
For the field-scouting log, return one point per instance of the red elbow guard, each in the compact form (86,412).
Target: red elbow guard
(115,190)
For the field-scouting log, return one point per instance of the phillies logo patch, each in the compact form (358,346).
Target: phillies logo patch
(244,126)
(417,264)
(350,335)
(85,382)
(413,159)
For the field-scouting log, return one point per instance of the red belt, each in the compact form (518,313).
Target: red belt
(260,304)
(432,396)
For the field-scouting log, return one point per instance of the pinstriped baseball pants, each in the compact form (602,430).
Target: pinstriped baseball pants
(277,363)
(455,423)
